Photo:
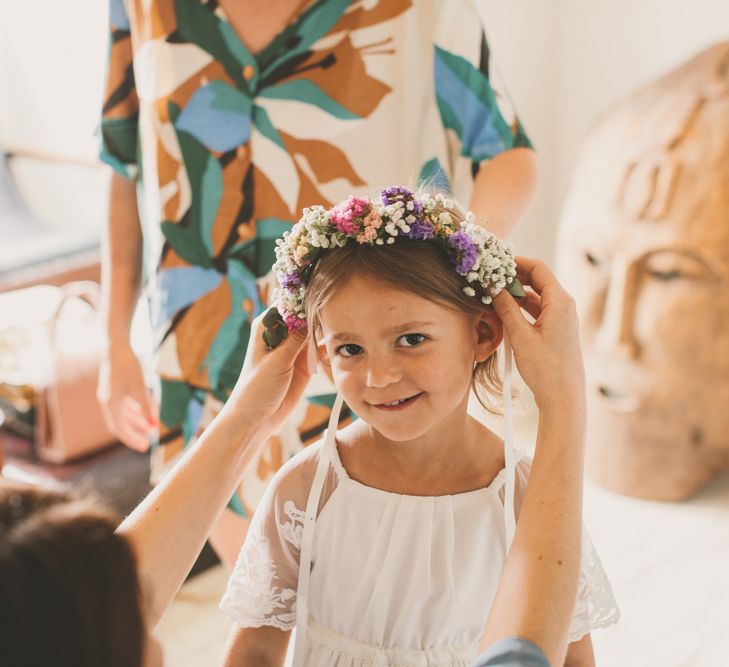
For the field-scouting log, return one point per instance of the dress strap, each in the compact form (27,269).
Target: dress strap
(307,538)
(509,454)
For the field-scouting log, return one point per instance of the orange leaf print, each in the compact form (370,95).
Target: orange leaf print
(325,159)
(197,330)
(360,93)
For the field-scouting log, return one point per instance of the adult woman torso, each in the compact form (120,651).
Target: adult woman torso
(237,121)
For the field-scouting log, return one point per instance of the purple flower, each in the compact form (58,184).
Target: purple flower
(466,252)
(400,193)
(291,280)
(421,229)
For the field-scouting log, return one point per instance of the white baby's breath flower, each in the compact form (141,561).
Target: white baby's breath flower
(493,269)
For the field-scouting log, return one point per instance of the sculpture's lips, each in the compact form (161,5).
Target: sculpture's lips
(615,398)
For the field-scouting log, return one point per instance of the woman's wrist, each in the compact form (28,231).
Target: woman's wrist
(244,415)
(568,406)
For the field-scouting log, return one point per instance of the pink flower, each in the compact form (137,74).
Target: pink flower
(293,322)
(346,215)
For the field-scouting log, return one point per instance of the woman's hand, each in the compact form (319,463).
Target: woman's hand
(547,352)
(272,382)
(126,403)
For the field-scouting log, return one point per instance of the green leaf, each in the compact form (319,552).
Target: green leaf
(191,237)
(264,125)
(185,241)
(311,26)
(516,289)
(306,91)
(176,397)
(224,360)
(272,317)
(198,25)
(210,193)
(275,335)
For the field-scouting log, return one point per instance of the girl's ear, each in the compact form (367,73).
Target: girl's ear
(321,353)
(323,358)
(489,334)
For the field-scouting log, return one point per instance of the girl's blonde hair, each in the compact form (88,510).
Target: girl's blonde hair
(420,267)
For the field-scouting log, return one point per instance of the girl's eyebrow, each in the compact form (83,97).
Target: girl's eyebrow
(391,330)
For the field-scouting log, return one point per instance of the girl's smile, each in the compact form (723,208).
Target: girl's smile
(399,404)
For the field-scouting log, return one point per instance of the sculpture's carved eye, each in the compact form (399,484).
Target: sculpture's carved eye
(676,265)
(593,259)
(598,260)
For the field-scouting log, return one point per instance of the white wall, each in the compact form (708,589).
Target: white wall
(568,61)
(51,76)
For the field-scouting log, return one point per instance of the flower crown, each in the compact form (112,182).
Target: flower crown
(485,261)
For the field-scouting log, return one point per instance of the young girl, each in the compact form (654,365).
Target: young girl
(384,543)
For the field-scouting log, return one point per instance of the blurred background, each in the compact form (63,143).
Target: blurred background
(566,62)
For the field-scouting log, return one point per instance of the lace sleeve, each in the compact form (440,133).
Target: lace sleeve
(262,587)
(596,606)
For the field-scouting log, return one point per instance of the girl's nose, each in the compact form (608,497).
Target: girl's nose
(382,372)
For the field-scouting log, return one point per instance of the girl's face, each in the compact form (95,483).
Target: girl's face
(402,363)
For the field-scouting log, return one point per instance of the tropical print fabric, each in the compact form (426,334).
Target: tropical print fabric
(228,146)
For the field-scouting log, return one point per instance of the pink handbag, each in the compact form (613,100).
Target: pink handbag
(55,351)
(69,420)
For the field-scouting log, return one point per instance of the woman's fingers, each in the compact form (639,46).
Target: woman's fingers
(532,303)
(285,355)
(256,344)
(536,274)
(509,313)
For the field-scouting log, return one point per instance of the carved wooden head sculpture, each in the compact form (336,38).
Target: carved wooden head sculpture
(644,249)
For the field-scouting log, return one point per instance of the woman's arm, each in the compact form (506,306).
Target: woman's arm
(125,401)
(169,527)
(580,653)
(503,189)
(256,647)
(536,595)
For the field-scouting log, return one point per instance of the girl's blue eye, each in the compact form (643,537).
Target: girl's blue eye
(412,340)
(349,350)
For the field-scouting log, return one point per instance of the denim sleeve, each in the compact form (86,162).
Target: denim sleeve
(512,652)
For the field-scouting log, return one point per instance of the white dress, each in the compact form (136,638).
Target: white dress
(395,579)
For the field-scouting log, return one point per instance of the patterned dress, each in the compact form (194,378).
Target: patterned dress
(228,146)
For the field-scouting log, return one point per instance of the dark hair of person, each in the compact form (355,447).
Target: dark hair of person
(69,592)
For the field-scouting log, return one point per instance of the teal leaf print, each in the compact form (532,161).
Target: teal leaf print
(306,91)
(260,252)
(264,125)
(228,349)
(191,238)
(196,24)
(299,36)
